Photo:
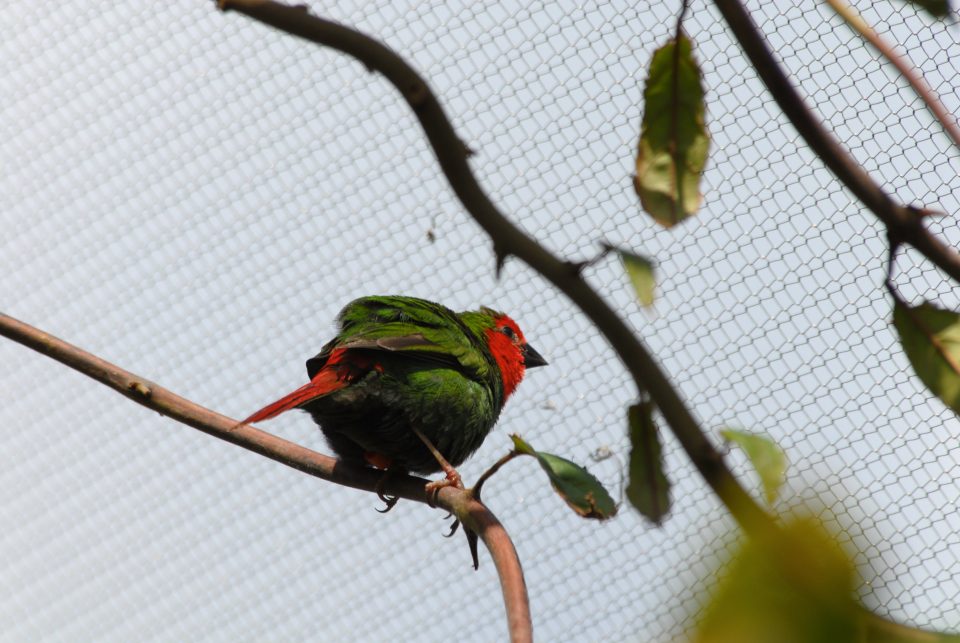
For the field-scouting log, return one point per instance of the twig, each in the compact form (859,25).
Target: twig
(510,240)
(902,222)
(920,86)
(478,486)
(155,397)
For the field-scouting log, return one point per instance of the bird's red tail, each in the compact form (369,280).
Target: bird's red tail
(326,381)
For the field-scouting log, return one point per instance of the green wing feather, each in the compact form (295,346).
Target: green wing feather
(417,328)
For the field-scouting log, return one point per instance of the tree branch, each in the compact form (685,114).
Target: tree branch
(510,240)
(471,512)
(903,223)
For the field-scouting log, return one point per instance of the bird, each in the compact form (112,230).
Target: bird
(409,385)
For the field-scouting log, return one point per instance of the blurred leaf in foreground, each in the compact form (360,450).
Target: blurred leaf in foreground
(766,457)
(794,585)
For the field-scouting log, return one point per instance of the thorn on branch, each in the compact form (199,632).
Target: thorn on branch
(472,542)
(922,213)
(501,256)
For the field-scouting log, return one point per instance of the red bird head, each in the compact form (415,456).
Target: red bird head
(510,350)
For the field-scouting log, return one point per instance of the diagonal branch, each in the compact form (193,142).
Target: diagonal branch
(904,223)
(510,240)
(916,81)
(468,510)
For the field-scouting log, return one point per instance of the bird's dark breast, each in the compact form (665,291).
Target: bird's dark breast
(377,415)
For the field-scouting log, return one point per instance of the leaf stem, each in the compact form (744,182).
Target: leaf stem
(492,470)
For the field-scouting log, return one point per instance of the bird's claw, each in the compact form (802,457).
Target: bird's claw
(453,529)
(390,501)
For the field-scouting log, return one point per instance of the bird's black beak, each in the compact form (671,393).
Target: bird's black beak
(531,358)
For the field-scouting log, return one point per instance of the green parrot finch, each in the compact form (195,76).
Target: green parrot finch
(404,377)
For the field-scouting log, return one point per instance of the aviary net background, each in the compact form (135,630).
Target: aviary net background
(194,196)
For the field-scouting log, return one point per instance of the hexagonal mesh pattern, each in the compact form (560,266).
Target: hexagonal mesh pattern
(194,196)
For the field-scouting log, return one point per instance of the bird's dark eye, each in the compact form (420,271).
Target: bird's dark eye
(506,330)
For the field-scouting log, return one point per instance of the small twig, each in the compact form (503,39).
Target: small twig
(157,398)
(579,266)
(492,470)
(919,85)
(891,266)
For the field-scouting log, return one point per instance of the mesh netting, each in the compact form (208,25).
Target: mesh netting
(194,196)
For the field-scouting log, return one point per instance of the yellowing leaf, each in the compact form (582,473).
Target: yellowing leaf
(577,486)
(766,457)
(674,142)
(648,489)
(931,339)
(793,585)
(640,271)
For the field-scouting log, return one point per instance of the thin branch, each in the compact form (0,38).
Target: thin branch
(471,512)
(919,85)
(478,486)
(510,240)
(903,223)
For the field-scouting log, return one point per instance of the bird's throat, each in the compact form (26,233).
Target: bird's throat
(509,359)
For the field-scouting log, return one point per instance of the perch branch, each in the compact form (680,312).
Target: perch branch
(159,399)
(509,240)
(904,224)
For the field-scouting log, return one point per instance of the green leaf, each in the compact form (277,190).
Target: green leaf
(640,271)
(649,489)
(674,142)
(936,8)
(766,457)
(577,486)
(796,584)
(791,584)
(931,340)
